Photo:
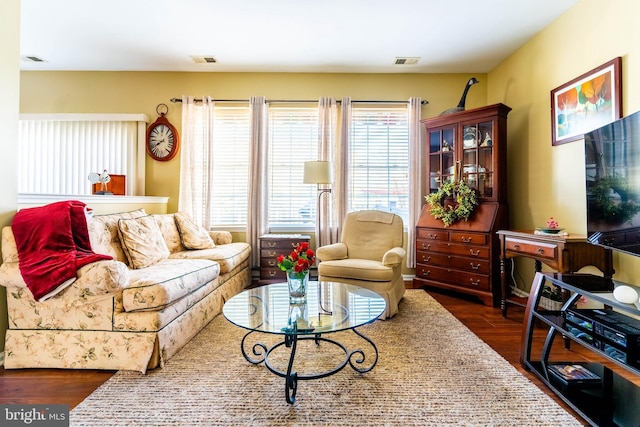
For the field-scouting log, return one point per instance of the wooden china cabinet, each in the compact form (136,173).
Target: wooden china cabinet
(465,256)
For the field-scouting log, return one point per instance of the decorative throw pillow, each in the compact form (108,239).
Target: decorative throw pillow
(142,241)
(192,235)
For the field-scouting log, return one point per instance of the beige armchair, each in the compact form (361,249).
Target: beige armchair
(370,255)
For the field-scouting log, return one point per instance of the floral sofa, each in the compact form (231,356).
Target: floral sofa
(168,278)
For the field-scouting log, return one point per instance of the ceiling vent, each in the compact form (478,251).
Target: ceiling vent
(406,60)
(32,58)
(209,59)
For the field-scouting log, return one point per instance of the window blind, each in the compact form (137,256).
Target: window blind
(231,138)
(379,160)
(56,155)
(293,140)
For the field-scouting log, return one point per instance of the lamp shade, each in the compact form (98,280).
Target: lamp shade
(318,172)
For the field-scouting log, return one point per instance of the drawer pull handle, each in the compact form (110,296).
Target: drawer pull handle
(426,258)
(426,272)
(516,247)
(474,282)
(425,246)
(294,245)
(466,239)
(475,266)
(540,251)
(272,273)
(476,253)
(432,236)
(272,262)
(271,244)
(273,253)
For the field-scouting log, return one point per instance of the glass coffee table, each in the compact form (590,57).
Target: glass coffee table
(330,307)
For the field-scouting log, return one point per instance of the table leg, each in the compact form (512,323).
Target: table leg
(291,378)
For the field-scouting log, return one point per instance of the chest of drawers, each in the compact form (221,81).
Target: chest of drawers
(453,259)
(272,246)
(463,257)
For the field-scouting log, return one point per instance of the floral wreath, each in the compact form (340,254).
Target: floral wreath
(466,200)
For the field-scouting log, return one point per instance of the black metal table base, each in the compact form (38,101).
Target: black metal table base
(355,358)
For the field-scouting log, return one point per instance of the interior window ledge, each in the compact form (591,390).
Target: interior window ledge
(25,198)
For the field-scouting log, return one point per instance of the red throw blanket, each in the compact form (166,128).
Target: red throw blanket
(52,242)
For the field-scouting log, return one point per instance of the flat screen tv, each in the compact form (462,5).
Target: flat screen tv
(612,159)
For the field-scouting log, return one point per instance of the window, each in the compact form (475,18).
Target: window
(379,160)
(57,152)
(231,140)
(293,140)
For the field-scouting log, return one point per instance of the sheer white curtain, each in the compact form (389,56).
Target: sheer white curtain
(341,176)
(257,204)
(327,122)
(195,159)
(415,177)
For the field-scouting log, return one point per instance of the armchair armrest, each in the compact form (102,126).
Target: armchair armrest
(331,252)
(393,257)
(221,237)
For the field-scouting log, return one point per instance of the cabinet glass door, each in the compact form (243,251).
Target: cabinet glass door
(441,156)
(477,159)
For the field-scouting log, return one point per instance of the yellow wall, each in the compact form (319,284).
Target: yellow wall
(9,109)
(549,181)
(141,92)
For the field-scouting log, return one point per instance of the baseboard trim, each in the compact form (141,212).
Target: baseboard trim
(2,358)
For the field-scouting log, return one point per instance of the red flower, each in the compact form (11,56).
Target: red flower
(299,260)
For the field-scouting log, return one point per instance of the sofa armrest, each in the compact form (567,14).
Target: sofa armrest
(393,257)
(221,237)
(103,277)
(331,252)
(10,276)
(96,278)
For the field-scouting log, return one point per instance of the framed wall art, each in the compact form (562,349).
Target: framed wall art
(586,102)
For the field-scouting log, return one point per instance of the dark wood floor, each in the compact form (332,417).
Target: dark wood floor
(70,387)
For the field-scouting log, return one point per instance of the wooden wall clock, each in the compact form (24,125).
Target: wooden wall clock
(163,140)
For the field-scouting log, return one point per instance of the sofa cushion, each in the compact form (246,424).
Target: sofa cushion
(103,233)
(166,281)
(142,241)
(229,256)
(169,229)
(193,236)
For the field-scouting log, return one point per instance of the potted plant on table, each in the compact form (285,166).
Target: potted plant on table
(297,265)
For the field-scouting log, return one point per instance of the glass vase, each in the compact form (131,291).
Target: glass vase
(297,286)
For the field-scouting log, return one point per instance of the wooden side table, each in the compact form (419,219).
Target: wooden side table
(271,246)
(565,254)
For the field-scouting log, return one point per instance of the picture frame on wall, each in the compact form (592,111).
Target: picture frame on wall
(586,102)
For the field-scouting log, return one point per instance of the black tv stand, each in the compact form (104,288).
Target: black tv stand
(609,397)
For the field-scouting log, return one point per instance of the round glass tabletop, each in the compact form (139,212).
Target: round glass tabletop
(330,307)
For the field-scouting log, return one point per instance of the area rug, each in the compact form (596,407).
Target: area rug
(432,371)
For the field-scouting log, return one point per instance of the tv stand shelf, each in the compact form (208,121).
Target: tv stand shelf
(614,398)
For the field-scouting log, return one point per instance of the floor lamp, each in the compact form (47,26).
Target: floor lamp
(318,172)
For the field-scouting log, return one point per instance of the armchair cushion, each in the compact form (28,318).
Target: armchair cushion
(361,269)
